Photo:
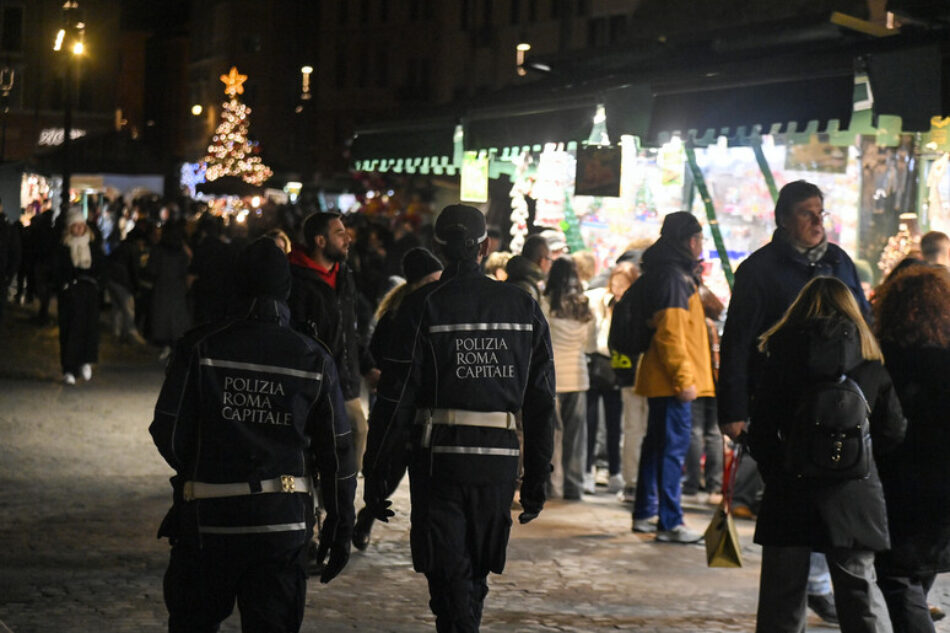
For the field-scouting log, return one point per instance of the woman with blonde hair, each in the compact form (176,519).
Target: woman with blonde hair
(822,339)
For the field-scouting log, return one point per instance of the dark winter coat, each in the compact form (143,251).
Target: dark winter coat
(168,269)
(330,314)
(766,284)
(214,288)
(916,476)
(819,513)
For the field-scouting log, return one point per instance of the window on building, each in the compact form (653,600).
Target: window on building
(464,10)
(488,9)
(340,69)
(514,15)
(362,78)
(343,12)
(11,35)
(382,66)
(618,28)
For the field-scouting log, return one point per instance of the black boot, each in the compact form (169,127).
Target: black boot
(824,606)
(362,528)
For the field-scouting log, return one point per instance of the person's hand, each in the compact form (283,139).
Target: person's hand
(733,430)
(339,555)
(372,378)
(687,394)
(379,509)
(532,507)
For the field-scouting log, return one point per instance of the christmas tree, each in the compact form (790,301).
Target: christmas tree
(231,153)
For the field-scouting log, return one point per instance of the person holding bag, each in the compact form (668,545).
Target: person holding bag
(822,489)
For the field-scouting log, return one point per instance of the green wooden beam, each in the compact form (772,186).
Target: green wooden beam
(700,183)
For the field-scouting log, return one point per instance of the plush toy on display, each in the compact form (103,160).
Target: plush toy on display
(897,248)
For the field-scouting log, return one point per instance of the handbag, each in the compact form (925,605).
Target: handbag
(602,375)
(722,540)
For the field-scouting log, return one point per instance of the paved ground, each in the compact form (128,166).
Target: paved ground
(82,491)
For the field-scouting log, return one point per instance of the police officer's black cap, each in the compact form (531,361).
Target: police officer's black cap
(460,224)
(263,270)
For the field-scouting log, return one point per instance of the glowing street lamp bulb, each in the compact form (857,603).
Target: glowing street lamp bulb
(256,201)
(524,47)
(58,45)
(307,70)
(196,109)
(78,48)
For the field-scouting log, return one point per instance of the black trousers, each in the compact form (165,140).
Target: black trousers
(78,326)
(906,598)
(267,576)
(459,534)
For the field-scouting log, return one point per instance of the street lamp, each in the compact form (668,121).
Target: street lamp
(520,50)
(74,30)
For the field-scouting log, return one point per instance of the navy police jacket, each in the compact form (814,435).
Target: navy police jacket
(467,342)
(249,401)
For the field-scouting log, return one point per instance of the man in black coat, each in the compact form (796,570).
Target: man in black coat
(250,410)
(468,353)
(323,301)
(766,284)
(10,252)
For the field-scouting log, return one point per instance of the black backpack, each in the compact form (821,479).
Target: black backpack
(629,333)
(831,437)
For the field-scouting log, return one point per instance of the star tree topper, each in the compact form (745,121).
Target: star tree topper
(233,82)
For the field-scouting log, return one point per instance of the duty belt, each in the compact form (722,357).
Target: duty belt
(285,483)
(462,417)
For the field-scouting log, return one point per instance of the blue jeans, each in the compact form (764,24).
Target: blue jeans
(669,425)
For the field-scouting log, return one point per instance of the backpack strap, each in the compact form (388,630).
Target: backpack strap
(849,380)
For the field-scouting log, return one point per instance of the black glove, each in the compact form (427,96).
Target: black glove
(337,547)
(532,501)
(339,555)
(374,495)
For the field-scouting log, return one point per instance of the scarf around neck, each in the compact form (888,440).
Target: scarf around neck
(79,251)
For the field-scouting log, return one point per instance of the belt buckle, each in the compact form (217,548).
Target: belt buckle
(287,483)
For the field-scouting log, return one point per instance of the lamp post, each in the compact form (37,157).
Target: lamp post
(70,44)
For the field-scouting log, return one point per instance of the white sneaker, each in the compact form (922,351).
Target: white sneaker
(679,534)
(590,483)
(86,371)
(615,483)
(645,526)
(69,379)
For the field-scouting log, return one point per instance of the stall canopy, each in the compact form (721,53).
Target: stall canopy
(534,124)
(725,109)
(428,140)
(908,83)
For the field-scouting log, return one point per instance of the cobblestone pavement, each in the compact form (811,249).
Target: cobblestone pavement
(82,491)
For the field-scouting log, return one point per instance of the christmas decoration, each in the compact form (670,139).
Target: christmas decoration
(897,248)
(231,153)
(520,188)
(571,226)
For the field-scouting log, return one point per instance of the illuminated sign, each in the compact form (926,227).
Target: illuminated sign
(54,135)
(474,180)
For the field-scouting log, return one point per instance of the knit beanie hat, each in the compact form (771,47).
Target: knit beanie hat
(263,269)
(680,225)
(74,216)
(417,263)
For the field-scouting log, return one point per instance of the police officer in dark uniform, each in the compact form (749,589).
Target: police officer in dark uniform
(469,353)
(250,410)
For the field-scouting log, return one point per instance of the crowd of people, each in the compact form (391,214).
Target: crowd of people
(863,550)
